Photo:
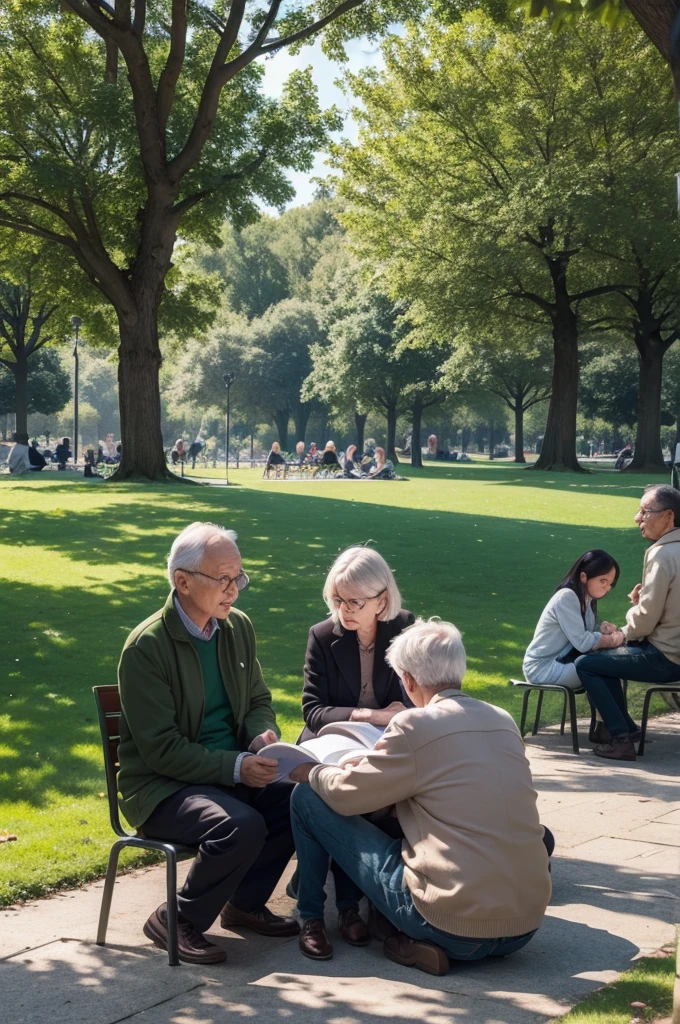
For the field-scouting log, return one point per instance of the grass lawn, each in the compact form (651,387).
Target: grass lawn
(650,982)
(82,564)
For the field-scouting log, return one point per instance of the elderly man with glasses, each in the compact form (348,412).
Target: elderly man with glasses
(652,632)
(195,712)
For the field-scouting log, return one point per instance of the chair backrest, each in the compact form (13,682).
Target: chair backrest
(107,699)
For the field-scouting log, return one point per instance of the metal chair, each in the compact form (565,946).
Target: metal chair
(652,688)
(107,699)
(569,696)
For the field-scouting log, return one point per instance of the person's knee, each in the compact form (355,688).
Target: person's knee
(244,829)
(303,802)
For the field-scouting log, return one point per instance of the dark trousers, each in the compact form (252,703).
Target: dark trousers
(244,842)
(601,673)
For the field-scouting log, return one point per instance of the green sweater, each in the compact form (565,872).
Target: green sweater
(218,731)
(163,702)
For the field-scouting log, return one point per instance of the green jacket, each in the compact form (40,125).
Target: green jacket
(163,698)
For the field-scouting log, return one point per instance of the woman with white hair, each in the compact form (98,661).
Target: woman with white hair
(346,676)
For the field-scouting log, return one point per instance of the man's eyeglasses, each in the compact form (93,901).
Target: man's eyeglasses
(354,604)
(645,513)
(241,580)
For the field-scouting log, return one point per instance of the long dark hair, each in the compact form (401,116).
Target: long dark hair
(593,563)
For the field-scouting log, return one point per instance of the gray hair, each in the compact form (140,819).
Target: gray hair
(432,652)
(667,497)
(368,573)
(188,548)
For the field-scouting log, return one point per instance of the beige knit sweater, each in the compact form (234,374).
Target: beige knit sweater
(656,616)
(474,858)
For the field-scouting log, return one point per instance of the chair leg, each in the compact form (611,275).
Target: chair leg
(537,719)
(569,695)
(523,719)
(643,725)
(171,879)
(564,714)
(107,895)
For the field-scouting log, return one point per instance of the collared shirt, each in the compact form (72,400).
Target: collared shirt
(207,634)
(211,626)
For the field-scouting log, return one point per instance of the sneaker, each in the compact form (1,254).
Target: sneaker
(192,945)
(619,749)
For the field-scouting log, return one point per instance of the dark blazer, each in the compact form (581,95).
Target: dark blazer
(332,676)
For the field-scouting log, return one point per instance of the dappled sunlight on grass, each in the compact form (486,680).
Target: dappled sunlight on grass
(84,563)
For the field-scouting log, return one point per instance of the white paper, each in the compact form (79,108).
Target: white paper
(364,733)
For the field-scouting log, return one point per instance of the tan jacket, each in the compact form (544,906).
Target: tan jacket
(473,850)
(656,616)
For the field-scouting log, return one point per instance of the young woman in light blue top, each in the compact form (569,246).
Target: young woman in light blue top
(568,625)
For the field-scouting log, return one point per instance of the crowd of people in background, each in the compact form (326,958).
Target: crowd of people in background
(371,464)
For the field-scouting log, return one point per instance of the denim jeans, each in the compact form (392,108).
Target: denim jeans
(373,861)
(601,673)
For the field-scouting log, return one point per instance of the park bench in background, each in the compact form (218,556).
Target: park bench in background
(107,700)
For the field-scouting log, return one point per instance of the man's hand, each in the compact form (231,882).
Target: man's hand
(635,593)
(263,740)
(301,772)
(607,628)
(258,772)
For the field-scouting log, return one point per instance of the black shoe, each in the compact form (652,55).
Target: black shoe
(314,941)
(192,945)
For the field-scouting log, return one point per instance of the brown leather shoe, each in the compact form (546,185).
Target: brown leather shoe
(616,750)
(379,926)
(599,733)
(261,921)
(192,945)
(423,955)
(314,941)
(353,929)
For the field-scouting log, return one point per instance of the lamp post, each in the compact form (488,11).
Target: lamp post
(228,379)
(76,324)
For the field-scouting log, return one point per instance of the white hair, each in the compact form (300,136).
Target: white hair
(188,549)
(368,573)
(432,652)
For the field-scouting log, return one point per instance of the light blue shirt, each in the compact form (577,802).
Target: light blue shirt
(559,628)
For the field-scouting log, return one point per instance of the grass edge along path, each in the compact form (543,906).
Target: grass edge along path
(650,982)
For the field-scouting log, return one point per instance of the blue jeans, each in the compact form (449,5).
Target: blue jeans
(601,673)
(373,861)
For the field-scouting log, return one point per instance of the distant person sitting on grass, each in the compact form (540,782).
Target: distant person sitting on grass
(470,878)
(19,457)
(330,456)
(568,624)
(383,468)
(36,458)
(195,712)
(350,468)
(63,452)
(652,629)
(179,452)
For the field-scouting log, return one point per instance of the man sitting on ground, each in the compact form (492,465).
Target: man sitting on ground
(470,878)
(195,711)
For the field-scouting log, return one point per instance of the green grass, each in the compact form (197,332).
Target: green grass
(82,564)
(650,981)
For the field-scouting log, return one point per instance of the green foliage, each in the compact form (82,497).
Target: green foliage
(48,385)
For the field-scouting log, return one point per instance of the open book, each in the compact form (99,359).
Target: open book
(336,743)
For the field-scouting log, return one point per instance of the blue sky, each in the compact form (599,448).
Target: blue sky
(361,54)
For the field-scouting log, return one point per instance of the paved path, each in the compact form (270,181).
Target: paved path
(615,896)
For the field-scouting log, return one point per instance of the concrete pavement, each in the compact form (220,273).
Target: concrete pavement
(615,897)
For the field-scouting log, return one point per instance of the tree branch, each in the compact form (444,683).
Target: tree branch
(167,83)
(311,30)
(190,201)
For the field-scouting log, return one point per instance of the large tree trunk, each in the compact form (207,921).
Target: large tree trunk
(519,429)
(302,414)
(655,18)
(648,455)
(20,371)
(416,453)
(139,363)
(360,423)
(558,451)
(281,420)
(390,450)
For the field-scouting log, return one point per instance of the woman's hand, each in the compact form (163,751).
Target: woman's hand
(607,628)
(609,640)
(378,716)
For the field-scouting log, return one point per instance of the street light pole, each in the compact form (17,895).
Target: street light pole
(76,324)
(228,379)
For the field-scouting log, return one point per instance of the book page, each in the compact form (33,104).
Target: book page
(288,755)
(328,748)
(365,734)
